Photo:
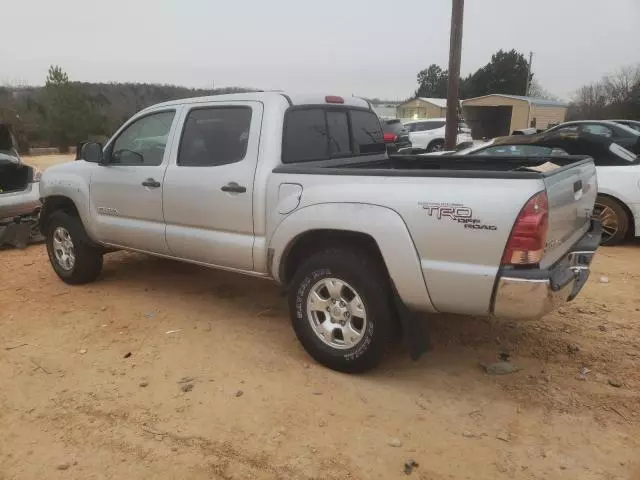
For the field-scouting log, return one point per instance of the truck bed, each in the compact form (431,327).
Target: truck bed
(456,166)
(493,188)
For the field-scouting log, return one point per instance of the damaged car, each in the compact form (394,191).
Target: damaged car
(19,194)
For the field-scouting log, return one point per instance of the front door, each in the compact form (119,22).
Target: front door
(208,188)
(126,192)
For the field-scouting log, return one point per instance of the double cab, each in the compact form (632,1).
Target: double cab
(300,190)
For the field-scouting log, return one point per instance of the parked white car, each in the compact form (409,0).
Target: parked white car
(429,134)
(618,202)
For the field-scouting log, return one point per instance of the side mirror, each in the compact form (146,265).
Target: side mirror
(92,152)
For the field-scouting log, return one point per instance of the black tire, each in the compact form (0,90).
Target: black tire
(369,279)
(88,259)
(610,212)
(435,146)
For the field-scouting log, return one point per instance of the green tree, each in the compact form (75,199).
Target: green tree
(506,73)
(69,115)
(432,82)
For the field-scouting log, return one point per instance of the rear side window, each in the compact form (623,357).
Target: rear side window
(367,133)
(423,126)
(214,136)
(305,137)
(322,133)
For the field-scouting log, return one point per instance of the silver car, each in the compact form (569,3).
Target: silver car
(19,193)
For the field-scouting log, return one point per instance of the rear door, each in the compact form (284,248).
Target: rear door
(572,193)
(208,186)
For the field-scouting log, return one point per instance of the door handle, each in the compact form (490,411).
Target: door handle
(577,186)
(151,183)
(233,187)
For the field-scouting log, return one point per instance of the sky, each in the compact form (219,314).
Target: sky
(371,48)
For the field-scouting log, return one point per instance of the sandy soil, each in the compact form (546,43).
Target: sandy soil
(75,404)
(166,370)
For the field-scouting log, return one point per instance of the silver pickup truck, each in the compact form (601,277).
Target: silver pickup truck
(300,190)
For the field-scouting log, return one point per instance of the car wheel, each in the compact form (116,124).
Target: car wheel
(436,146)
(614,220)
(341,311)
(71,254)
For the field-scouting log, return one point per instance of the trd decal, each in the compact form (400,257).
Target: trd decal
(457,213)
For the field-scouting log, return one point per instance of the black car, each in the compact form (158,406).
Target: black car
(615,216)
(396,135)
(623,135)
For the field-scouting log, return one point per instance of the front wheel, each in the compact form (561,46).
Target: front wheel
(614,220)
(71,255)
(340,309)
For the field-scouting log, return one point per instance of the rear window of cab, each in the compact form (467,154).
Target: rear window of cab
(320,133)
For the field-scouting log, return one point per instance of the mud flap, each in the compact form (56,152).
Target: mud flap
(414,328)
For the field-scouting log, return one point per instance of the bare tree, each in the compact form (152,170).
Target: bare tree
(619,85)
(536,90)
(590,100)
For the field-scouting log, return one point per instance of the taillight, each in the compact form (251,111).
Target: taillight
(529,233)
(390,137)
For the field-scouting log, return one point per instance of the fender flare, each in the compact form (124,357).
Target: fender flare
(384,225)
(71,188)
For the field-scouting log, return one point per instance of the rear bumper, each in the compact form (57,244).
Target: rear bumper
(531,294)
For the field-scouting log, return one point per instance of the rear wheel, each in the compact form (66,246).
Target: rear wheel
(71,254)
(436,146)
(614,220)
(340,309)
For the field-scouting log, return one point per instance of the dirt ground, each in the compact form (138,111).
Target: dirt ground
(166,370)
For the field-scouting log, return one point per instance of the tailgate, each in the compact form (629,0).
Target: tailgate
(572,192)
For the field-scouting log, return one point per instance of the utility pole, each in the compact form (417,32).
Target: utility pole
(526,89)
(455,49)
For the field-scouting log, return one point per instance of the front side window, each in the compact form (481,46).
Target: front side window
(568,129)
(597,130)
(144,141)
(214,136)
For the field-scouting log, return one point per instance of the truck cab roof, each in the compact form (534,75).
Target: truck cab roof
(294,99)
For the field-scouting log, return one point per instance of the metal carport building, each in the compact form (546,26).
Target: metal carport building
(498,115)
